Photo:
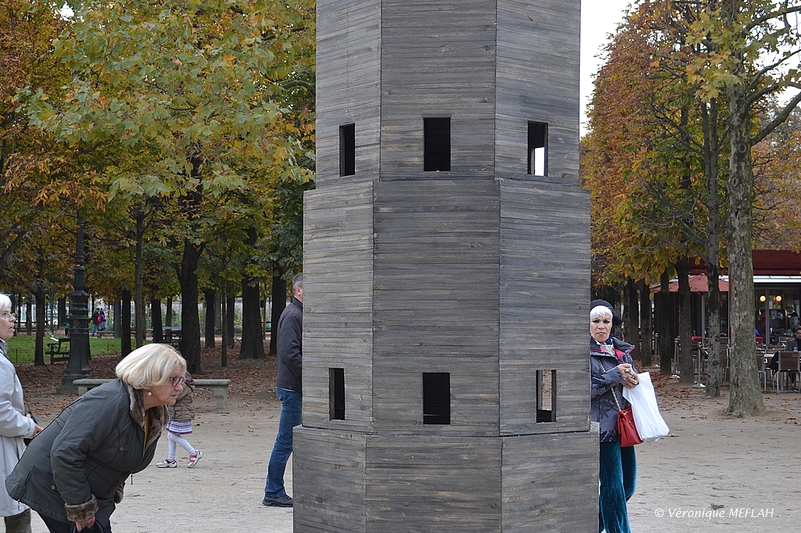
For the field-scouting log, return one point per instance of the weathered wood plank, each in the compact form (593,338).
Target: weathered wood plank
(481,272)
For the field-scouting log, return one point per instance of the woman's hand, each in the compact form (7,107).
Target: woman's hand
(37,428)
(630,379)
(86,524)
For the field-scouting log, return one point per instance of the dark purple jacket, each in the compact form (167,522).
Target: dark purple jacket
(605,378)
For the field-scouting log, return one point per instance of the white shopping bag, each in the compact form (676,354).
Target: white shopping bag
(650,424)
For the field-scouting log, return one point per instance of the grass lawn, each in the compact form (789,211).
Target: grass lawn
(20,347)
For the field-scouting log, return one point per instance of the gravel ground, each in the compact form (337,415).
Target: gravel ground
(713,474)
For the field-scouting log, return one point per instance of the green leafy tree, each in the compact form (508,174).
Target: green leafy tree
(198,91)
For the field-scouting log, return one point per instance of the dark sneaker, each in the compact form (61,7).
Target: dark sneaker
(277,501)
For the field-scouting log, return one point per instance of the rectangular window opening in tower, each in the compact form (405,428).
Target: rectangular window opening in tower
(538,148)
(347,150)
(436,398)
(437,144)
(546,395)
(336,394)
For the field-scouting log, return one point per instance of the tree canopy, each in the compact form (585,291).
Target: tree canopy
(688,90)
(194,117)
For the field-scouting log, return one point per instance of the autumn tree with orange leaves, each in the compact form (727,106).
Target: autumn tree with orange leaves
(29,160)
(722,64)
(753,58)
(645,162)
(42,182)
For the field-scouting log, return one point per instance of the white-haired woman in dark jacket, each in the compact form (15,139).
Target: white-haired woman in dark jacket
(75,470)
(612,368)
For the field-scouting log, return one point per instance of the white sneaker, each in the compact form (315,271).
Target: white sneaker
(166,463)
(194,457)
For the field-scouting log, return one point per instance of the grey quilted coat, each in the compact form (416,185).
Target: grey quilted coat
(76,467)
(605,378)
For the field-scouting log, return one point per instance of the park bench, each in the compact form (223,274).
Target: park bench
(58,349)
(172,335)
(218,386)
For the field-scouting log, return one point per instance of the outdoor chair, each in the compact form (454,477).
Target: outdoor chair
(788,365)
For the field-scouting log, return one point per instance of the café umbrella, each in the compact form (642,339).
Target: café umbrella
(699,283)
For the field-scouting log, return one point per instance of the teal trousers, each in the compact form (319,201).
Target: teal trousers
(618,475)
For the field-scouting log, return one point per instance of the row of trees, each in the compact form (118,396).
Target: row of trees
(692,141)
(182,131)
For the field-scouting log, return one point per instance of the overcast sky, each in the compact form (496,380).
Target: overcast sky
(598,19)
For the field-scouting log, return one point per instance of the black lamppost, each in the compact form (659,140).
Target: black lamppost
(78,365)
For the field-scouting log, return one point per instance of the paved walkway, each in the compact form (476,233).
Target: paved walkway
(714,474)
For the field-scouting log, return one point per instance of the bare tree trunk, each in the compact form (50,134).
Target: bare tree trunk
(252,336)
(746,397)
(28,324)
(41,308)
(686,369)
(712,335)
(709,117)
(224,323)
(125,323)
(62,311)
(190,323)
(665,338)
(211,320)
(230,303)
(631,317)
(139,293)
(155,313)
(168,315)
(646,329)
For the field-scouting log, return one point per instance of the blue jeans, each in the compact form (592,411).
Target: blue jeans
(618,475)
(291,412)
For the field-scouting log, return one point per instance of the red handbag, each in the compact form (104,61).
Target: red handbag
(626,428)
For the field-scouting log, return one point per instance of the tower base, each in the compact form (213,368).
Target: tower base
(351,482)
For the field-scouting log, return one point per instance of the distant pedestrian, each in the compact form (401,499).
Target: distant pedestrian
(288,389)
(95,321)
(180,425)
(101,321)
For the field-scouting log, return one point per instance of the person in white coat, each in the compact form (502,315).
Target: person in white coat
(15,425)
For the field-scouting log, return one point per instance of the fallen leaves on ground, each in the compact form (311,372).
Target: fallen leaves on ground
(252,380)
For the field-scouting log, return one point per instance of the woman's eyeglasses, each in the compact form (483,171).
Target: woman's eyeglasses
(8,316)
(176,380)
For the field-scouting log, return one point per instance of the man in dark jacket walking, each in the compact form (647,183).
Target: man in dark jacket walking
(288,389)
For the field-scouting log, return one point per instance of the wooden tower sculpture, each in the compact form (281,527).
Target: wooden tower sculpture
(446,380)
